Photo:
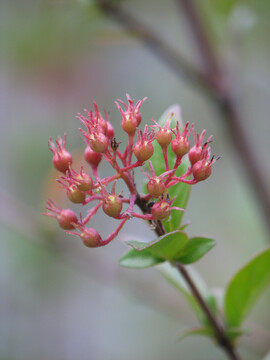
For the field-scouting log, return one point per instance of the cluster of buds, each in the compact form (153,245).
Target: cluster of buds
(84,188)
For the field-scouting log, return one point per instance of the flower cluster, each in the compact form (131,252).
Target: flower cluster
(84,188)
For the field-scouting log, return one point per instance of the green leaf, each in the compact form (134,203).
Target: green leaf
(194,249)
(139,259)
(180,190)
(196,331)
(166,247)
(245,288)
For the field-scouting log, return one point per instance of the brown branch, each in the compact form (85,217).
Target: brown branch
(212,80)
(218,329)
(223,95)
(158,46)
(221,337)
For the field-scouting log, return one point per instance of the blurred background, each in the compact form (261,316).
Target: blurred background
(58,299)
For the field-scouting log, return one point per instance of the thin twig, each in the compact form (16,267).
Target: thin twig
(223,95)
(221,337)
(218,329)
(212,80)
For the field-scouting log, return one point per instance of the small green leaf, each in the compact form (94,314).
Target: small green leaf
(139,259)
(166,247)
(180,190)
(245,288)
(196,331)
(194,249)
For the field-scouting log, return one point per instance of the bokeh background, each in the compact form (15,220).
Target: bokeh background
(58,299)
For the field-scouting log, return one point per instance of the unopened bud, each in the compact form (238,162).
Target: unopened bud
(143,151)
(161,210)
(66,218)
(110,130)
(93,158)
(195,154)
(201,170)
(164,137)
(90,237)
(62,159)
(84,182)
(129,124)
(155,187)
(75,195)
(112,205)
(180,146)
(98,142)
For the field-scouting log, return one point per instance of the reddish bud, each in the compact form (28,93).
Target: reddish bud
(110,130)
(61,157)
(90,237)
(75,195)
(98,142)
(161,210)
(164,137)
(180,146)
(93,158)
(112,205)
(129,124)
(197,152)
(84,182)
(202,169)
(66,218)
(155,187)
(143,149)
(131,117)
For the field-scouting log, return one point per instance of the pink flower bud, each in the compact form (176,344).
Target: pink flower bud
(85,182)
(164,134)
(131,117)
(93,158)
(66,218)
(82,180)
(110,130)
(112,205)
(61,157)
(143,149)
(194,154)
(202,169)
(155,187)
(197,151)
(161,210)
(164,137)
(180,144)
(129,124)
(98,142)
(75,195)
(90,237)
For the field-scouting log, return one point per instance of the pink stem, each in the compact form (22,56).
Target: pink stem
(115,233)
(91,213)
